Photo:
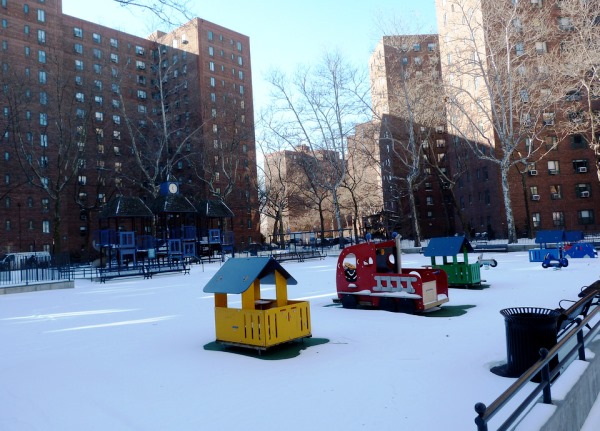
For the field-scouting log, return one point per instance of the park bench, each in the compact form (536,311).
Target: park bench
(490,248)
(144,269)
(299,256)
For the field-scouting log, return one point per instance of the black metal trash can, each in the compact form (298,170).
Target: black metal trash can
(528,329)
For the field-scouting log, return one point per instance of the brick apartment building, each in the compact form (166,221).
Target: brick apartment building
(90,113)
(404,71)
(557,190)
(296,179)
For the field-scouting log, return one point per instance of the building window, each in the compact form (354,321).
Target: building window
(553,167)
(140,65)
(558,218)
(585,216)
(43,119)
(551,143)
(139,50)
(78,64)
(96,37)
(211,51)
(44,140)
(45,226)
(114,43)
(77,32)
(519,48)
(536,219)
(548,118)
(141,94)
(555,192)
(578,141)
(533,190)
(42,77)
(583,190)
(41,36)
(540,47)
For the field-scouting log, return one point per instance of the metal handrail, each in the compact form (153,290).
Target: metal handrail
(485,413)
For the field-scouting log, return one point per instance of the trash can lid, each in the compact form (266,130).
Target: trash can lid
(525,313)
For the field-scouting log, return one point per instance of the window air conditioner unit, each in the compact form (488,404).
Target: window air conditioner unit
(552,171)
(582,169)
(532,172)
(555,196)
(535,197)
(585,194)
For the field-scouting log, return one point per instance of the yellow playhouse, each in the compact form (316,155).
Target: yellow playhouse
(260,323)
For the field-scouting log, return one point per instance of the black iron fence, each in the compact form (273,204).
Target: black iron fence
(31,275)
(571,346)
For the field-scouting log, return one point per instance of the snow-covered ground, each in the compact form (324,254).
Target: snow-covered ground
(137,354)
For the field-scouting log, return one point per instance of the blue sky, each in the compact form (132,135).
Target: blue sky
(283,34)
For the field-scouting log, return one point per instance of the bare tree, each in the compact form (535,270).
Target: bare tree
(579,21)
(52,160)
(273,189)
(169,12)
(496,59)
(362,183)
(406,100)
(156,120)
(317,110)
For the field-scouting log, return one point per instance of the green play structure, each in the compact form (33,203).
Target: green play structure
(449,249)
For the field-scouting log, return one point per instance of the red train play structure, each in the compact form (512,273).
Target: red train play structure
(371,274)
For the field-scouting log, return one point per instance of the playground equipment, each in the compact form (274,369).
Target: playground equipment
(487,263)
(559,244)
(371,274)
(460,272)
(260,323)
(576,247)
(557,263)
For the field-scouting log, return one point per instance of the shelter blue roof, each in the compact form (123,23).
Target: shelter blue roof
(238,274)
(447,246)
(573,235)
(545,236)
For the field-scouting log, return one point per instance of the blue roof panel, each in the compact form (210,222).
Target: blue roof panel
(237,275)
(447,246)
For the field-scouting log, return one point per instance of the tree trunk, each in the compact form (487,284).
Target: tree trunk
(510,220)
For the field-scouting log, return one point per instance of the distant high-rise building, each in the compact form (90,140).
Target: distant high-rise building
(90,113)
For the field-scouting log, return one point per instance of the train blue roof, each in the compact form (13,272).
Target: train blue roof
(237,275)
(447,246)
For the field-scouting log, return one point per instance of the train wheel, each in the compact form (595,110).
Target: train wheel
(407,306)
(349,301)
(565,262)
(494,263)
(544,265)
(387,304)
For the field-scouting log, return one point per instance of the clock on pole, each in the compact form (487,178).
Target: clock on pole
(169,188)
